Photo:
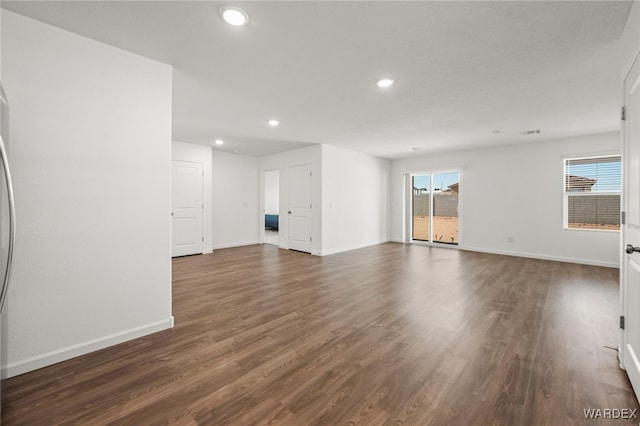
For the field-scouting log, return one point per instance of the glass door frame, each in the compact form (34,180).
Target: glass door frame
(411,207)
(409,231)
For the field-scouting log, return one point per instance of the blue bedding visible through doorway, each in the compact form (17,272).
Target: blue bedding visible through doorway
(271,221)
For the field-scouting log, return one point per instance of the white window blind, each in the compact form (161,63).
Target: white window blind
(592,193)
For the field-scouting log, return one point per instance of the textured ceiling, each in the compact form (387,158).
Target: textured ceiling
(462,69)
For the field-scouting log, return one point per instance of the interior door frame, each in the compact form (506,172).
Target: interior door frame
(263,200)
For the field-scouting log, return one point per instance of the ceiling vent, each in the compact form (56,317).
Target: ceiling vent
(530,132)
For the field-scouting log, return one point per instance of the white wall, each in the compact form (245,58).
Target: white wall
(91,154)
(532,177)
(181,151)
(272,192)
(630,40)
(355,190)
(235,200)
(282,161)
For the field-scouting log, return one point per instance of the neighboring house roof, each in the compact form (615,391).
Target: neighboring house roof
(579,182)
(452,188)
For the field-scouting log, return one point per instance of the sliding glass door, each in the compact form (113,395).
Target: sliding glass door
(421,202)
(434,206)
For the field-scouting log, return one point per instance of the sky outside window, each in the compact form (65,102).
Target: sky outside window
(441,181)
(606,172)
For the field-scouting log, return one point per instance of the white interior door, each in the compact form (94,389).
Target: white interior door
(300,208)
(630,348)
(187,236)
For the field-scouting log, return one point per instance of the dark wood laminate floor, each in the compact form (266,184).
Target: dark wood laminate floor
(391,334)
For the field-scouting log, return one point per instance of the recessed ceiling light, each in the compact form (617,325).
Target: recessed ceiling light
(273,123)
(219,142)
(234,16)
(415,149)
(385,82)
(495,132)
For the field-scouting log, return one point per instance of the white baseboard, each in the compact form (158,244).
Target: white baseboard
(208,251)
(238,244)
(525,254)
(63,354)
(349,248)
(543,257)
(396,240)
(485,250)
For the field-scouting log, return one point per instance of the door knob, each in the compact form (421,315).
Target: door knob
(630,249)
(289,212)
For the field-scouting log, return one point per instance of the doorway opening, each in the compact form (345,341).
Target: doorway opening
(434,207)
(272,207)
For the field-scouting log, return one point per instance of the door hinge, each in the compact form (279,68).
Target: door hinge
(203,206)
(310,173)
(623,114)
(310,206)
(622,322)
(310,239)
(623,218)
(203,239)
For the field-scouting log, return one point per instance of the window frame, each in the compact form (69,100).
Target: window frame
(566,194)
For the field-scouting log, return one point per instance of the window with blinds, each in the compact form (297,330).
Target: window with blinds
(592,193)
